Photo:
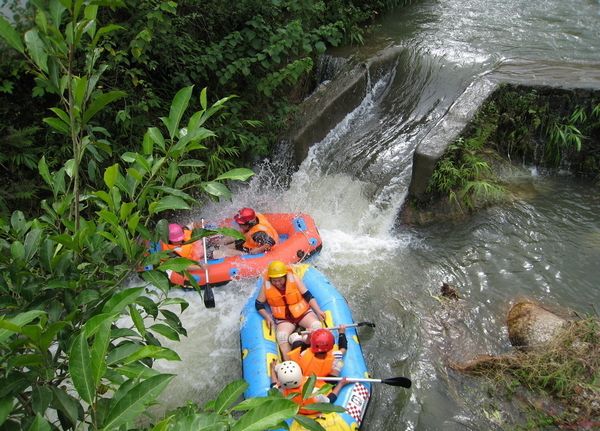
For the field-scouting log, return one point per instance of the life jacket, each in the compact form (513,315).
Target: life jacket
(263,225)
(290,304)
(311,364)
(193,251)
(298,397)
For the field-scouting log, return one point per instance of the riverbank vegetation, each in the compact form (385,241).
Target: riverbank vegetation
(552,129)
(89,174)
(566,371)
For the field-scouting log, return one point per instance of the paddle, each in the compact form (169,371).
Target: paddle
(209,297)
(392,381)
(350,325)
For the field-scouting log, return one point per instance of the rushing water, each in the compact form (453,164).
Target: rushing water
(544,245)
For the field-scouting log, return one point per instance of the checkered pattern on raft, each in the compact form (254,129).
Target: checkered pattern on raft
(358,402)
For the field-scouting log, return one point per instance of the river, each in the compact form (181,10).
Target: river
(544,245)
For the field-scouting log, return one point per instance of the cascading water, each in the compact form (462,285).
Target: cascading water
(545,245)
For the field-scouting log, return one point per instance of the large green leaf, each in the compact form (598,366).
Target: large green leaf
(168,203)
(176,264)
(229,395)
(308,423)
(32,243)
(39,424)
(158,279)
(6,405)
(10,35)
(267,415)
(155,352)
(67,405)
(165,331)
(111,175)
(98,353)
(178,107)
(116,304)
(100,102)
(80,368)
(134,402)
(216,189)
(325,407)
(239,174)
(57,124)
(18,321)
(36,49)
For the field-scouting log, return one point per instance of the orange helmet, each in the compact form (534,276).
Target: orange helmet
(245,215)
(321,341)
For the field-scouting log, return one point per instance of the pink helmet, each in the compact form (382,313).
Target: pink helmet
(175,232)
(244,216)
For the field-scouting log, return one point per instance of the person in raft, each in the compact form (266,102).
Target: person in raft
(259,235)
(178,243)
(288,378)
(321,359)
(290,301)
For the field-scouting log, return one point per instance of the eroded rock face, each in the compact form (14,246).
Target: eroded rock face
(531,325)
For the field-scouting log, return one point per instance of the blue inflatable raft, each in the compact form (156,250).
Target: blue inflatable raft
(259,348)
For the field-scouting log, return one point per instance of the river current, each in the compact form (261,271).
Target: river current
(544,245)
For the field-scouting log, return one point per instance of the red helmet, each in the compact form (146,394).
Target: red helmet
(245,215)
(321,341)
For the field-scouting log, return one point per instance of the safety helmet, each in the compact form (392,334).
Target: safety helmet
(289,374)
(277,269)
(244,216)
(175,232)
(321,341)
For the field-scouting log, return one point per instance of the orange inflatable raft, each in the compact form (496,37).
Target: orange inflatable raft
(299,240)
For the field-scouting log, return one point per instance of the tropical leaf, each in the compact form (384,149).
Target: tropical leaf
(100,102)
(308,423)
(216,189)
(239,174)
(178,107)
(155,352)
(229,395)
(80,368)
(158,279)
(266,416)
(117,302)
(176,264)
(10,35)
(168,203)
(133,403)
(36,49)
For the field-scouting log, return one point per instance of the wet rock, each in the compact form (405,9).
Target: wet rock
(531,325)
(449,292)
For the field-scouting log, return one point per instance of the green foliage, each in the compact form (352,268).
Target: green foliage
(77,347)
(464,175)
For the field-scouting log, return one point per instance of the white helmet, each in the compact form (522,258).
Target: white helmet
(289,374)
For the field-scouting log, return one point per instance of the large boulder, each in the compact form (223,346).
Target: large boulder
(531,324)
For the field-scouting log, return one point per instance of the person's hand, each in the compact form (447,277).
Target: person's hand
(342,329)
(343,382)
(270,323)
(272,365)
(321,315)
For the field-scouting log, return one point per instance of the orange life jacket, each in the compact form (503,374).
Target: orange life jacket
(298,398)
(311,364)
(287,304)
(193,251)
(263,225)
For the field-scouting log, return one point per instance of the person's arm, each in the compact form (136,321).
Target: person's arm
(311,300)
(259,304)
(336,390)
(265,241)
(272,365)
(342,340)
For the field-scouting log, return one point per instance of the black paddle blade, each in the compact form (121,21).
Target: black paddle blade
(398,381)
(209,297)
(369,324)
